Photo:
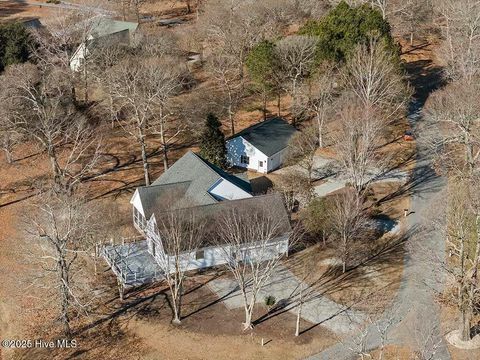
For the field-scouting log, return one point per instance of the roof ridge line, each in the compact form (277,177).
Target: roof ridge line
(206,165)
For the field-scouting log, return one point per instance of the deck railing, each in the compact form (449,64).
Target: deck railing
(121,269)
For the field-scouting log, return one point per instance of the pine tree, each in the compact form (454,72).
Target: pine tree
(212,144)
(15,43)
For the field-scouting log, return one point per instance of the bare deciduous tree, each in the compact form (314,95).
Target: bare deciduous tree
(373,75)
(250,239)
(413,15)
(9,132)
(296,56)
(453,127)
(460,221)
(356,145)
(296,189)
(319,94)
(61,229)
(301,150)
(180,235)
(40,107)
(141,89)
(232,28)
(229,79)
(461,30)
(346,221)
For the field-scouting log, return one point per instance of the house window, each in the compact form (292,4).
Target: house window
(200,254)
(244,159)
(260,164)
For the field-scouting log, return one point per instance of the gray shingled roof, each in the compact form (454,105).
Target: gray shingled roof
(270,205)
(104,26)
(269,136)
(157,196)
(202,176)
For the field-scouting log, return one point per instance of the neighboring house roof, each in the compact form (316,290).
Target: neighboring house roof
(104,26)
(269,136)
(270,206)
(28,22)
(202,175)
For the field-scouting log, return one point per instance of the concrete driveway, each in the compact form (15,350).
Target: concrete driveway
(285,287)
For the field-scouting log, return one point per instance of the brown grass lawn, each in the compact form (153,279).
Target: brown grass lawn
(373,284)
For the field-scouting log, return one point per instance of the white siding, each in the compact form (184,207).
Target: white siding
(276,160)
(238,146)
(135,201)
(138,214)
(78,57)
(213,255)
(225,190)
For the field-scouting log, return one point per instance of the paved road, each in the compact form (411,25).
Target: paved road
(414,312)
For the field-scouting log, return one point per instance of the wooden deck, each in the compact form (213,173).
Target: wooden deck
(132,263)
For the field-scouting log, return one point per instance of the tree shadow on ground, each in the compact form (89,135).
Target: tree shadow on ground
(332,280)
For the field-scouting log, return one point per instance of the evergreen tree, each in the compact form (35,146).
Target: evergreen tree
(15,42)
(262,65)
(212,144)
(344,27)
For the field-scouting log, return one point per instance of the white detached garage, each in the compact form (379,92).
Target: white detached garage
(260,147)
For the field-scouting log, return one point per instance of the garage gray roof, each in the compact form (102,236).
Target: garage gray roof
(201,176)
(269,136)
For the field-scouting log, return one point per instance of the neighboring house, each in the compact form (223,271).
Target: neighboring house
(193,185)
(190,181)
(103,31)
(260,147)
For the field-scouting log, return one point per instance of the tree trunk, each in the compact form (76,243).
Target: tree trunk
(299,314)
(176,313)
(144,160)
(466,323)
(8,155)
(247,325)
(344,254)
(278,104)
(165,157)
(85,81)
(137,12)
(320,121)
(176,302)
(411,39)
(63,274)
(54,165)
(230,117)
(264,105)
(164,142)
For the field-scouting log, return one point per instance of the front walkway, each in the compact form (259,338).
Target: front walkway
(285,287)
(132,263)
